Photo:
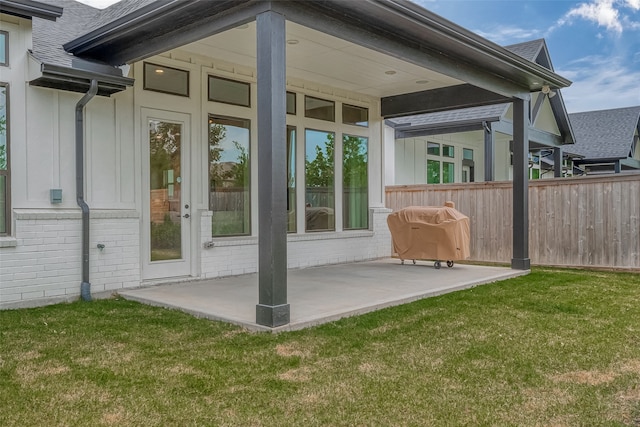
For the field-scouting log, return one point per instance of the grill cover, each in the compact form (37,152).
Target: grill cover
(430,233)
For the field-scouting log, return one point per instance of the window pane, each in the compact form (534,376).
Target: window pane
(355,186)
(352,115)
(320,109)
(291,103)
(535,173)
(3,204)
(291,179)
(166,79)
(229,91)
(165,143)
(448,151)
(448,174)
(4,44)
(319,175)
(4,161)
(433,148)
(229,183)
(433,172)
(467,153)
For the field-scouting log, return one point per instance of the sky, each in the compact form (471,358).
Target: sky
(593,43)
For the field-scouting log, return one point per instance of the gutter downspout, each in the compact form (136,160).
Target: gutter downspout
(85,287)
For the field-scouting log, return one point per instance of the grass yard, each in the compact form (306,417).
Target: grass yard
(555,348)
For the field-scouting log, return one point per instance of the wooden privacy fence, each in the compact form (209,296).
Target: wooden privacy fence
(586,221)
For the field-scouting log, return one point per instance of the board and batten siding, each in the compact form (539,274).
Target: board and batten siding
(586,221)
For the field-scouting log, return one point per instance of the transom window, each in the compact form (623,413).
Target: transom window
(229,91)
(321,109)
(352,115)
(159,78)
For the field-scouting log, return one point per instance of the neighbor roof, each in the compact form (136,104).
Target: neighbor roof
(604,134)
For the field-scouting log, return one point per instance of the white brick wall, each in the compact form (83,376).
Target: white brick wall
(43,263)
(239,255)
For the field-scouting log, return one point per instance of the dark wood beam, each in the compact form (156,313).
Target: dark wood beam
(442,99)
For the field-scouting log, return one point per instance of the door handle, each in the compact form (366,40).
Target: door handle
(186,216)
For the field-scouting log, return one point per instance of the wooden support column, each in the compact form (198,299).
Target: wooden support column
(272,309)
(489,151)
(557,162)
(521,122)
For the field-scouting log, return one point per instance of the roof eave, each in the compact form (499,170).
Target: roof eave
(77,80)
(30,9)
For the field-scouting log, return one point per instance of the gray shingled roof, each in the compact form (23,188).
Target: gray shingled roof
(528,50)
(604,134)
(49,36)
(472,114)
(113,12)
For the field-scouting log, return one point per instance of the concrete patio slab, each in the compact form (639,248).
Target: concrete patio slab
(320,294)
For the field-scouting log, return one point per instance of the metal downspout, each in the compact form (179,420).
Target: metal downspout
(85,287)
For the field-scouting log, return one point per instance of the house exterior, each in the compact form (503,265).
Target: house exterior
(607,140)
(474,144)
(170,140)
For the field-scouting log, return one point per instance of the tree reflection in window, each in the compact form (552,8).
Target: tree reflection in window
(229,181)
(319,177)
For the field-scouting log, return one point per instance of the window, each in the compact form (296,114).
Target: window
(4,48)
(352,115)
(159,78)
(448,151)
(291,179)
(433,148)
(5,210)
(319,178)
(448,174)
(433,172)
(355,182)
(229,181)
(467,154)
(321,109)
(291,103)
(229,91)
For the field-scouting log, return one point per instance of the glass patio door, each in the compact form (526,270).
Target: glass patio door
(167,213)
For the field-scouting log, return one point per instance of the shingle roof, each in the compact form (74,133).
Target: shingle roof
(49,36)
(476,114)
(528,50)
(604,134)
(113,12)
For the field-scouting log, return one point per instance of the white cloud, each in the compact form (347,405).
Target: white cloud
(601,12)
(600,83)
(610,14)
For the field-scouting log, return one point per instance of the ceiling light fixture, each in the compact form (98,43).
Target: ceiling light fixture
(293,41)
(422,82)
(159,71)
(390,72)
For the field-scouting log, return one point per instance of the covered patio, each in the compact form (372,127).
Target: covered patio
(320,294)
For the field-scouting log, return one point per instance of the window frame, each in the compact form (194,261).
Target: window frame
(247,84)
(5,63)
(168,92)
(7,172)
(213,116)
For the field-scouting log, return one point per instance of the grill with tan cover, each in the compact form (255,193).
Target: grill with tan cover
(430,233)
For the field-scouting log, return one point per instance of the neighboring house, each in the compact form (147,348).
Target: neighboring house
(607,140)
(150,141)
(474,144)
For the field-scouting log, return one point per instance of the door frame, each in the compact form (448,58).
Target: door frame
(169,268)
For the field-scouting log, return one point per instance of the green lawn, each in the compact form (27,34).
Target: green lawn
(554,348)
